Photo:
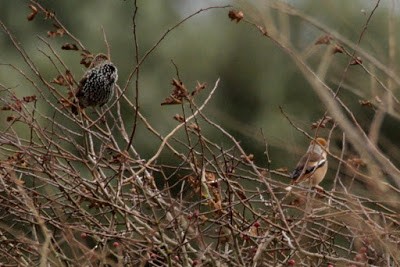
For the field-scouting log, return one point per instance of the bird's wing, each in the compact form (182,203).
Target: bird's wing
(312,160)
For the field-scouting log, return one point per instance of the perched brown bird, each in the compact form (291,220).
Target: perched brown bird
(312,167)
(96,87)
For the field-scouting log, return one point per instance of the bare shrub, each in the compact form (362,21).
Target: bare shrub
(74,191)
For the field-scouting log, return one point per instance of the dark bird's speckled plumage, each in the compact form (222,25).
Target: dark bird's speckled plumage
(96,87)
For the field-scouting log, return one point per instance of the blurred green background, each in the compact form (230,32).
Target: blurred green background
(256,76)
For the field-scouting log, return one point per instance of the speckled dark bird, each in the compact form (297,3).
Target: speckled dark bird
(96,87)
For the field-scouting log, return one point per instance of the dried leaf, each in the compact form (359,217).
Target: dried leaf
(69,46)
(356,162)
(19,182)
(322,122)
(119,158)
(236,15)
(366,103)
(253,231)
(193,182)
(64,81)
(325,39)
(178,95)
(65,103)
(32,15)
(57,32)
(51,34)
(69,78)
(28,99)
(217,205)
(337,49)
(199,87)
(195,126)
(11,118)
(87,58)
(49,14)
(60,32)
(6,107)
(86,61)
(17,159)
(59,80)
(179,118)
(18,105)
(171,101)
(180,90)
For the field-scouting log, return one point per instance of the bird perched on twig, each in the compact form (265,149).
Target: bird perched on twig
(313,166)
(96,87)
